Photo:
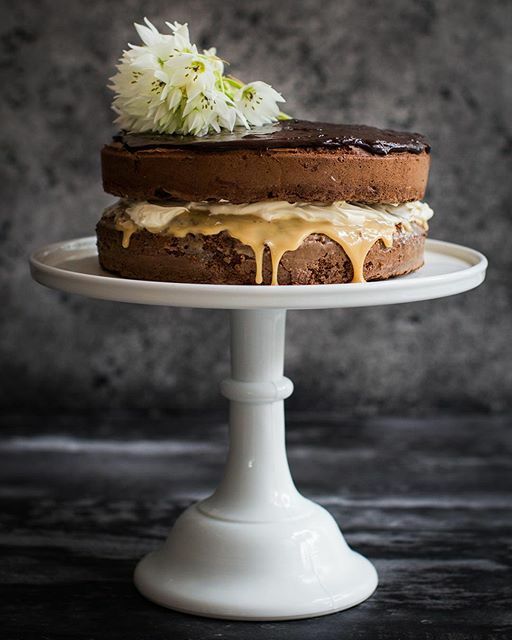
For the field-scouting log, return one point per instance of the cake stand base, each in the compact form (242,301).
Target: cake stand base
(272,571)
(256,549)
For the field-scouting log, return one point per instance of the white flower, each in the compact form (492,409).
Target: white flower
(192,72)
(212,111)
(166,85)
(257,102)
(138,96)
(181,36)
(157,47)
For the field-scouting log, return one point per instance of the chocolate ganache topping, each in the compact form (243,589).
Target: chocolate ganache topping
(287,134)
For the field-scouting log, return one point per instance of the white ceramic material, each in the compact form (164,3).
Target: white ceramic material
(256,549)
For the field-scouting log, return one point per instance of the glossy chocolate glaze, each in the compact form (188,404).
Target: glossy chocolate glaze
(287,134)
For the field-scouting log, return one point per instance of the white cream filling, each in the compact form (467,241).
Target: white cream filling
(156,218)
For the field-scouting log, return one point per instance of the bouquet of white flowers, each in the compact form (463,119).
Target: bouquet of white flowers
(167,86)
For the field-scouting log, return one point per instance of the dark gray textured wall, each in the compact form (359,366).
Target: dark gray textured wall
(443,68)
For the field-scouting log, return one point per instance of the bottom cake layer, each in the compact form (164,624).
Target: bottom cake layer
(222,259)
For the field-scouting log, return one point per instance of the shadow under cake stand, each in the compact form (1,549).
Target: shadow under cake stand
(256,549)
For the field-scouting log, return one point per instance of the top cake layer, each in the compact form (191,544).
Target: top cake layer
(290,160)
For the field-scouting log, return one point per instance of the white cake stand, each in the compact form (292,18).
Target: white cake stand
(256,549)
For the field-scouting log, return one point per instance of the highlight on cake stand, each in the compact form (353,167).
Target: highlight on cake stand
(257,549)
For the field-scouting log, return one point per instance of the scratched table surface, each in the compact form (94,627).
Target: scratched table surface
(82,498)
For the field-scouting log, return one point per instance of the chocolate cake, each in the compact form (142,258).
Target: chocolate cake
(294,202)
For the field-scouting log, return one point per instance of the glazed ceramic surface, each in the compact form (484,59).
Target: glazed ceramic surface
(256,549)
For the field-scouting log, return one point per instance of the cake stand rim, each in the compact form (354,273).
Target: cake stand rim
(210,296)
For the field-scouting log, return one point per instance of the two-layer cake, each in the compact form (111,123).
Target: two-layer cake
(292,203)
(288,202)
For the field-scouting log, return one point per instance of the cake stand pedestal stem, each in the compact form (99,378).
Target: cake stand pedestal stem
(256,549)
(257,485)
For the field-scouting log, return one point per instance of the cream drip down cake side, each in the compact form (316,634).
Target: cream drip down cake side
(216,186)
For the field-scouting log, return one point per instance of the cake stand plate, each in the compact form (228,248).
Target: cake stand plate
(73,266)
(256,549)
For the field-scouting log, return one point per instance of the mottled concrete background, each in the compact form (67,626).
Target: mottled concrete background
(442,68)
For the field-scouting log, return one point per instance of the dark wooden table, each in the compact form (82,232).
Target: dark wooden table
(429,501)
